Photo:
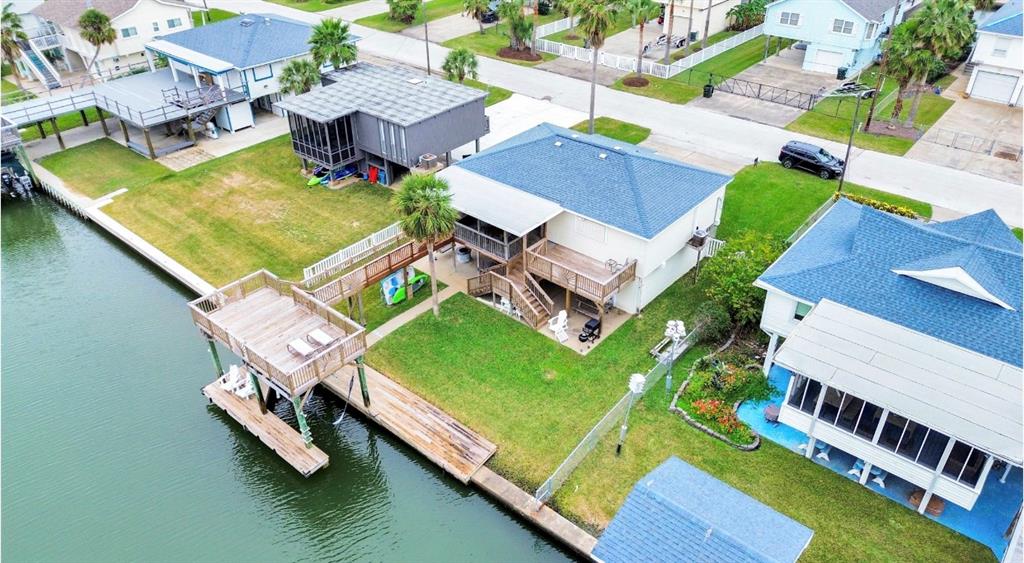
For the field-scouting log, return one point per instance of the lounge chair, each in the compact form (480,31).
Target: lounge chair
(301,348)
(320,339)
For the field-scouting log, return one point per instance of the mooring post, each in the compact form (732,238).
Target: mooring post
(56,131)
(216,356)
(255,381)
(103,121)
(307,436)
(362,381)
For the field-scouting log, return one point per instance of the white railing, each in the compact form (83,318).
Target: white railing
(554,27)
(628,63)
(712,246)
(348,256)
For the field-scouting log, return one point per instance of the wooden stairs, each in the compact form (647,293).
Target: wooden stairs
(531,304)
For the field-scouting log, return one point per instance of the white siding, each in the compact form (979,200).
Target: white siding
(126,51)
(778,315)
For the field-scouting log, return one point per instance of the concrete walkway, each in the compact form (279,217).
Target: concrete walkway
(709,133)
(418,309)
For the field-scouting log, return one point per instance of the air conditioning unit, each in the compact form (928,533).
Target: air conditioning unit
(428,160)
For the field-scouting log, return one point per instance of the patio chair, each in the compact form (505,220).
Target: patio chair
(825,449)
(858,467)
(320,339)
(301,348)
(559,322)
(505,306)
(880,477)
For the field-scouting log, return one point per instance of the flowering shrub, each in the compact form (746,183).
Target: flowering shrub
(720,412)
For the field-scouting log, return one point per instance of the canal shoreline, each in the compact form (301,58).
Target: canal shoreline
(511,496)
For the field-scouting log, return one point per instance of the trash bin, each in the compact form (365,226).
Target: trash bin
(841,73)
(709,89)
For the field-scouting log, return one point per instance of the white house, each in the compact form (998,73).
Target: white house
(901,342)
(837,33)
(610,222)
(998,57)
(245,53)
(135,22)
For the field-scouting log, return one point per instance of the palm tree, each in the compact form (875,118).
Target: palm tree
(299,76)
(94,27)
(331,41)
(512,12)
(908,59)
(10,35)
(476,10)
(707,27)
(945,28)
(596,18)
(689,29)
(459,64)
(671,21)
(639,12)
(424,205)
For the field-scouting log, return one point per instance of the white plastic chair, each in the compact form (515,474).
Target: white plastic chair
(505,306)
(559,322)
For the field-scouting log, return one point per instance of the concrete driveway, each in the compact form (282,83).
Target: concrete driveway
(445,28)
(606,76)
(780,71)
(977,136)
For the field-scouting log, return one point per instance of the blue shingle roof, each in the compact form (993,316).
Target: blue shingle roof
(679,513)
(247,41)
(850,254)
(1007,20)
(630,188)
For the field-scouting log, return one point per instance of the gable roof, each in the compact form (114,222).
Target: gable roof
(1007,20)
(873,10)
(246,41)
(679,513)
(940,385)
(65,13)
(853,256)
(615,183)
(393,94)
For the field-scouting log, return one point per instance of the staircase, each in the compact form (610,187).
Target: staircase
(40,67)
(533,305)
(530,291)
(205,99)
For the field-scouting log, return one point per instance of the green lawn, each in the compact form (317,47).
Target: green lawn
(377,313)
(214,15)
(622,23)
(10,93)
(102,166)
(535,399)
(687,85)
(494,93)
(821,122)
(435,9)
(314,5)
(490,42)
(620,130)
(1019,233)
(236,214)
(720,36)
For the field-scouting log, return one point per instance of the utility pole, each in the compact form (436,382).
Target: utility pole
(881,68)
(426,40)
(853,129)
(671,20)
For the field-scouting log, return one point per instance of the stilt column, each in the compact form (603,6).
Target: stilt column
(362,381)
(216,356)
(56,131)
(103,121)
(255,381)
(307,436)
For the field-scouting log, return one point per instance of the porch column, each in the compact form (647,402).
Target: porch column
(42,132)
(1006,472)
(865,473)
(307,436)
(174,71)
(223,88)
(811,440)
(773,342)
(255,382)
(477,143)
(56,131)
(85,118)
(149,60)
(149,143)
(195,75)
(767,47)
(124,130)
(935,476)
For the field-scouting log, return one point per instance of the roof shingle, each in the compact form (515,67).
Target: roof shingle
(247,41)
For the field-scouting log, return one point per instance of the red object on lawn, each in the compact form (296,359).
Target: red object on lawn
(373,175)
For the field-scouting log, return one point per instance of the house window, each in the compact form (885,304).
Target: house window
(801,311)
(1001,48)
(789,18)
(262,72)
(842,26)
(173,23)
(872,28)
(127,32)
(965,464)
(156,26)
(805,394)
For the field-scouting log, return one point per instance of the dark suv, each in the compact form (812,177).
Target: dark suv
(812,158)
(491,15)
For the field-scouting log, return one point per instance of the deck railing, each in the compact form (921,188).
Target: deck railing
(471,237)
(298,379)
(373,271)
(351,254)
(494,281)
(539,293)
(538,263)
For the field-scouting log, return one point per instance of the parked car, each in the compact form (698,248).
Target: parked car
(491,15)
(811,158)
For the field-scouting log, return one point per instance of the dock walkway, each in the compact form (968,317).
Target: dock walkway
(433,432)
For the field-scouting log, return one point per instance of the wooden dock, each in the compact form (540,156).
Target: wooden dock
(433,432)
(270,429)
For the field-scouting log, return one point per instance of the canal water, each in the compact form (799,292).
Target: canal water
(110,453)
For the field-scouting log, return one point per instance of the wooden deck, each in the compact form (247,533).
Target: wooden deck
(433,432)
(270,429)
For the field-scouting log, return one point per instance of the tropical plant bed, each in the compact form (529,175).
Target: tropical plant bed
(716,386)
(635,81)
(524,55)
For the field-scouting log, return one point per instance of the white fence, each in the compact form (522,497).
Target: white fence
(554,27)
(628,63)
(351,254)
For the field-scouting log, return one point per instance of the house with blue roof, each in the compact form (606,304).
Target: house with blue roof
(680,513)
(998,56)
(594,222)
(901,350)
(244,54)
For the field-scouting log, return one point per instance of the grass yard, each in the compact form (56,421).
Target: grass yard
(1019,233)
(236,214)
(102,166)
(214,15)
(687,85)
(536,399)
(377,313)
(622,23)
(314,5)
(619,130)
(821,123)
(490,42)
(494,93)
(435,9)
(720,36)
(10,94)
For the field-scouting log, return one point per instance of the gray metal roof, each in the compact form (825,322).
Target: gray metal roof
(394,94)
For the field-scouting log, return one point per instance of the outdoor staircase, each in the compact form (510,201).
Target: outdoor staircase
(205,99)
(40,67)
(519,287)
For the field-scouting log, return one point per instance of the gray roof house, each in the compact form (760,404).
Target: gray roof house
(383,120)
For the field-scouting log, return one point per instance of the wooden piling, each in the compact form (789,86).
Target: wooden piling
(124,131)
(103,121)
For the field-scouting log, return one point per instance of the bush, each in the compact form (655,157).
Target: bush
(403,10)
(713,322)
(879,205)
(731,274)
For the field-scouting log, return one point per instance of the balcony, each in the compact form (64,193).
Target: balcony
(487,239)
(577,272)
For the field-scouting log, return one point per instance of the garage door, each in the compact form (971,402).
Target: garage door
(994,87)
(831,59)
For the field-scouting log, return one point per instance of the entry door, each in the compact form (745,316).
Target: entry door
(993,86)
